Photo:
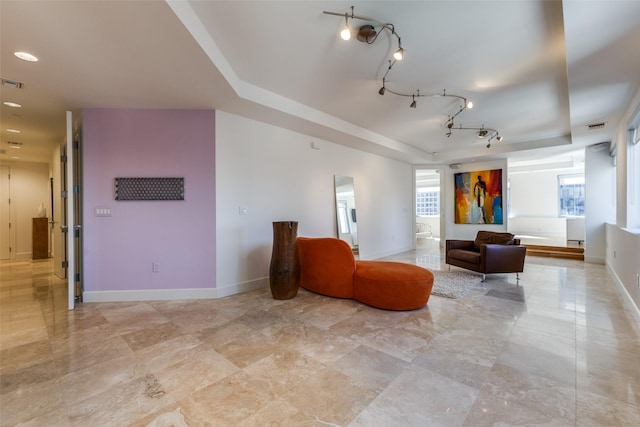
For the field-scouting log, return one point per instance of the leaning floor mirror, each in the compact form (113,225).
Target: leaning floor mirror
(346,219)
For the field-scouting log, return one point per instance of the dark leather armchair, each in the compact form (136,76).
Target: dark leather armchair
(490,252)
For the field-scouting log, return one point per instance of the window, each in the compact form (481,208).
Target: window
(633,181)
(571,191)
(427,202)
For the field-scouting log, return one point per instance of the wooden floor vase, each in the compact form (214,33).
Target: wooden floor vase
(284,271)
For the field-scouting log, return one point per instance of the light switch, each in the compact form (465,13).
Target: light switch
(102,211)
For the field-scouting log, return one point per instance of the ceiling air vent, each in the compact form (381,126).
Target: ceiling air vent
(14,143)
(12,83)
(595,126)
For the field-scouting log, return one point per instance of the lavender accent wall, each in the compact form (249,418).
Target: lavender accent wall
(178,236)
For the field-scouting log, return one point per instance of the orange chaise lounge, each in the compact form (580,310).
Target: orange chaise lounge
(328,267)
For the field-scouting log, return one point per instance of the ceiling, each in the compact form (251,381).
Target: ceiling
(538,72)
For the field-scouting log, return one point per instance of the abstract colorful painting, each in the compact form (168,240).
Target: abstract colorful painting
(478,197)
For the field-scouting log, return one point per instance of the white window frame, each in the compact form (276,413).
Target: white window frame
(567,180)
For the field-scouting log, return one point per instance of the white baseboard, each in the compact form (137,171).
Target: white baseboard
(239,288)
(634,308)
(173,294)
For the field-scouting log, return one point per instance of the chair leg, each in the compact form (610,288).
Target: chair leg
(484,277)
(449,267)
(517,276)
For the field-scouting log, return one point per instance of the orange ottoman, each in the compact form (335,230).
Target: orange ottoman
(328,267)
(392,285)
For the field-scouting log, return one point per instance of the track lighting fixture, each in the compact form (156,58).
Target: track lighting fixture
(382,89)
(369,33)
(481,132)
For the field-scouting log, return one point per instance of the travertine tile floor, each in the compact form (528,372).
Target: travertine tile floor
(569,355)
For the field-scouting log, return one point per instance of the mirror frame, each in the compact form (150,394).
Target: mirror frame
(346,212)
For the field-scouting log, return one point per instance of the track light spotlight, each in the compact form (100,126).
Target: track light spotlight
(482,133)
(381,91)
(413,103)
(499,138)
(489,145)
(398,54)
(345,34)
(469,104)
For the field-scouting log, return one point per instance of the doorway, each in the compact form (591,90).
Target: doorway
(5,212)
(71,211)
(428,207)
(66,220)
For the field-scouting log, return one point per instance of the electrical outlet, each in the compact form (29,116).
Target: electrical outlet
(155,267)
(243,210)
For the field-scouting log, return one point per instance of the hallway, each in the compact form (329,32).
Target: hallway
(566,356)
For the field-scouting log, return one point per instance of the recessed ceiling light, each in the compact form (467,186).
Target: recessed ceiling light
(13,130)
(12,104)
(25,56)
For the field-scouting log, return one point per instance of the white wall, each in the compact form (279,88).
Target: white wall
(535,207)
(600,202)
(447,194)
(29,188)
(623,258)
(623,237)
(277,176)
(534,194)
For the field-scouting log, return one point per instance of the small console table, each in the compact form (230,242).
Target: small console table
(40,238)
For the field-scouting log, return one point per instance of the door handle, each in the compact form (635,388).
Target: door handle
(77,226)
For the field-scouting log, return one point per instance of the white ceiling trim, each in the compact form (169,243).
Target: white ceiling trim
(254,94)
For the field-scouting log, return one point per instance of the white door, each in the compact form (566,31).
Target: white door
(57,213)
(69,219)
(5,212)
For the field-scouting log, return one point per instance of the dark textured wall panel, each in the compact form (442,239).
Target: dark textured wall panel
(149,188)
